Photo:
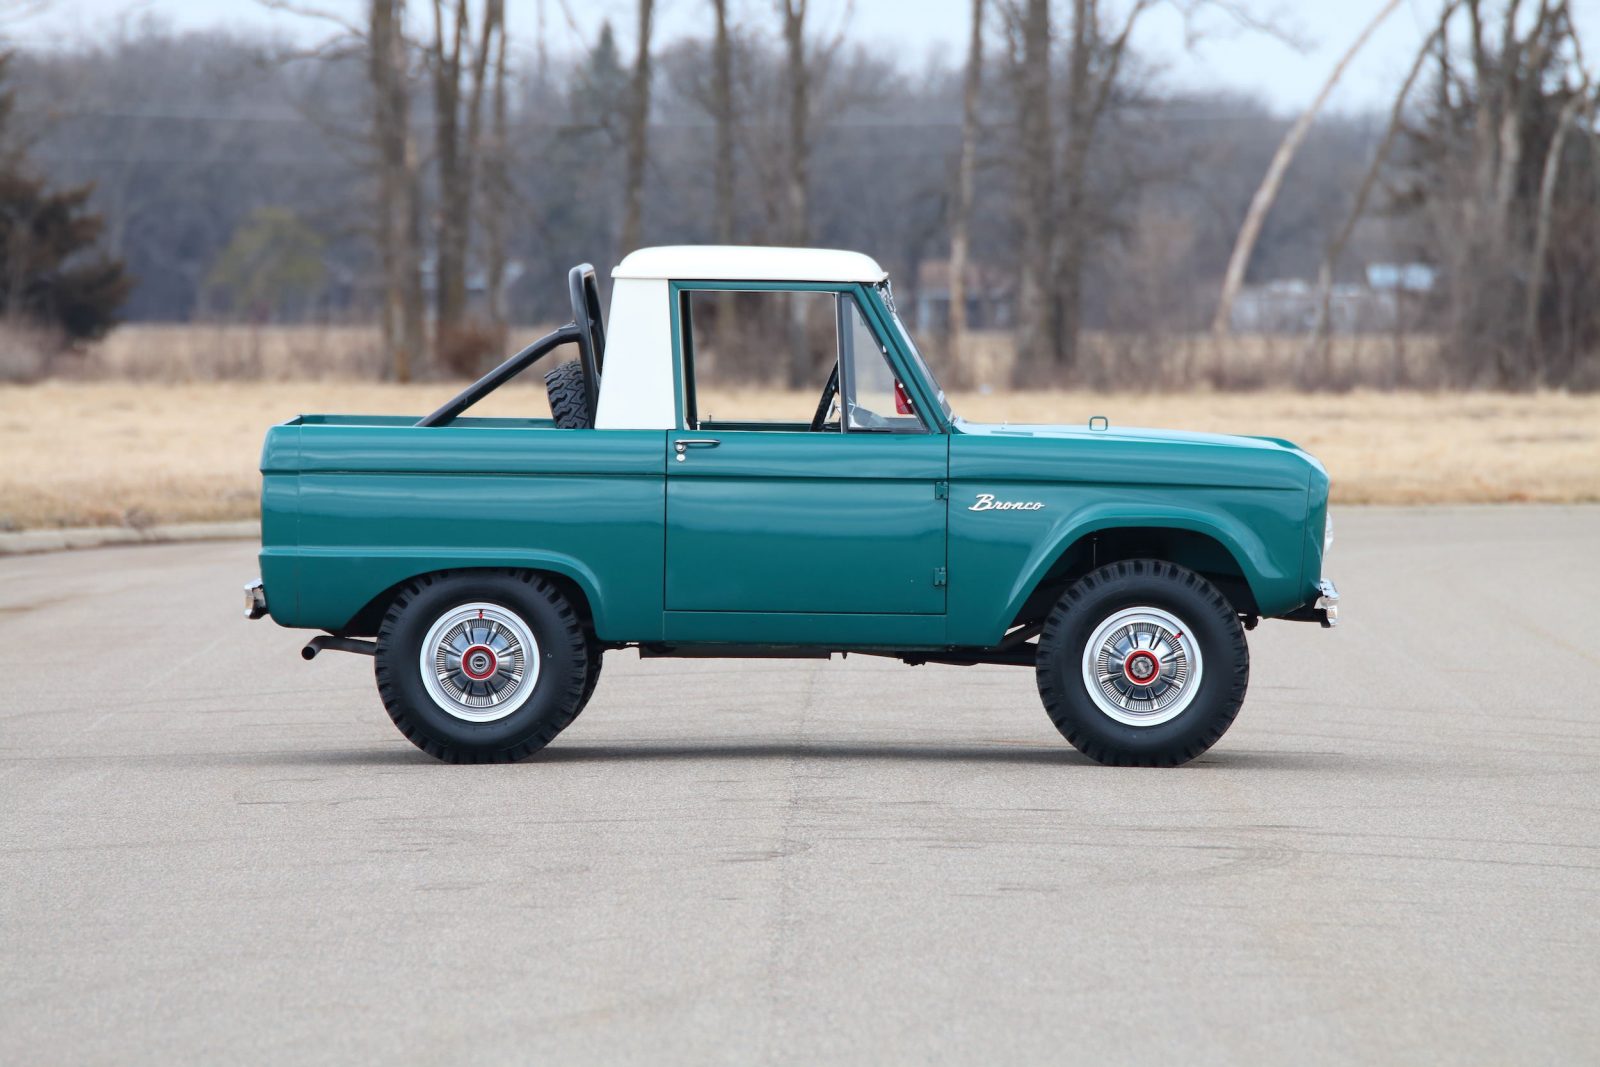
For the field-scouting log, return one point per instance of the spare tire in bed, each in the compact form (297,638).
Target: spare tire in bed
(568,399)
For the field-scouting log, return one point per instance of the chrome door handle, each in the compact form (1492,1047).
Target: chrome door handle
(684,444)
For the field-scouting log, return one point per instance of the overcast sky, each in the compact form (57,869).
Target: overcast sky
(1225,55)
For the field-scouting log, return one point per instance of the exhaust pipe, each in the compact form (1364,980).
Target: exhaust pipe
(338,644)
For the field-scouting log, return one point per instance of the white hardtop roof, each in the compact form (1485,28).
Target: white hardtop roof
(739,263)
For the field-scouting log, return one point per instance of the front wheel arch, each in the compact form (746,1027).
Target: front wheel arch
(1193,550)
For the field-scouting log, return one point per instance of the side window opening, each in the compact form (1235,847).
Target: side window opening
(875,398)
(786,361)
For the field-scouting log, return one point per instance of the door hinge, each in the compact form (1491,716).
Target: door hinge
(941,490)
(939,577)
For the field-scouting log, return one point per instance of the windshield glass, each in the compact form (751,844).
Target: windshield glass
(887,296)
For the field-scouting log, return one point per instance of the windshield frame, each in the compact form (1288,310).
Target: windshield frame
(883,296)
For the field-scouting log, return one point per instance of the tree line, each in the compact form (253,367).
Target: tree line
(421,167)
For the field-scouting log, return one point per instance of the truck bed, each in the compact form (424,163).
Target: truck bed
(411,420)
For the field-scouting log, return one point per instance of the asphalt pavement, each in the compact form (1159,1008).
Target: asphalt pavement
(213,852)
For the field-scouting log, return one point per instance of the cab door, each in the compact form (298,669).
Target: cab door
(825,523)
(841,517)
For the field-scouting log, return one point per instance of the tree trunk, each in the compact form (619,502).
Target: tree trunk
(1256,217)
(1035,336)
(1089,93)
(450,232)
(638,133)
(722,109)
(399,217)
(494,13)
(497,183)
(734,355)
(797,191)
(1531,340)
(797,201)
(1067,304)
(966,171)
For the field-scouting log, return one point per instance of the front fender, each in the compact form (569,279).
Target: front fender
(1261,530)
(1242,544)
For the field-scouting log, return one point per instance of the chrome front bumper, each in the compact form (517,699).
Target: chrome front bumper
(1327,605)
(255,600)
(1324,609)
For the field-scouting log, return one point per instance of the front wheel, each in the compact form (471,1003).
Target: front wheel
(483,666)
(1143,663)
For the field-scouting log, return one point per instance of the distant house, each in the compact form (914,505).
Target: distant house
(989,301)
(1290,305)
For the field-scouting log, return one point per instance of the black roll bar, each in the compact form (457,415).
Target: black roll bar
(502,374)
(587,330)
(584,292)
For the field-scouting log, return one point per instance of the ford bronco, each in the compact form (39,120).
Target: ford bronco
(488,564)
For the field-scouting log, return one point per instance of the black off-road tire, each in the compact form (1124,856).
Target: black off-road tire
(592,678)
(1209,620)
(568,666)
(569,400)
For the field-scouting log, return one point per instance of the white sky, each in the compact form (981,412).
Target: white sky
(1225,56)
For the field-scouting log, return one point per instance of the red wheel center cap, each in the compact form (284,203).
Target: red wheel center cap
(479,662)
(1141,667)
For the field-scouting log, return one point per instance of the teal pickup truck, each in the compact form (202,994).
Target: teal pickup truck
(488,564)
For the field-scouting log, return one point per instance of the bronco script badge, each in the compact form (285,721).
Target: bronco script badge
(987,502)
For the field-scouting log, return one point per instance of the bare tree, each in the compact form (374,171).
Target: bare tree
(399,204)
(1582,102)
(1055,202)
(966,170)
(796,178)
(797,186)
(1030,33)
(638,132)
(1320,342)
(724,176)
(1093,66)
(497,182)
(1256,217)
(458,95)
(722,115)
(451,230)
(1507,84)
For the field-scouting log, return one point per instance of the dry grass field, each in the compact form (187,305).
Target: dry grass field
(112,453)
(201,352)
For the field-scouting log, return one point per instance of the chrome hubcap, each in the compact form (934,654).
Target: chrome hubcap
(1141,667)
(480,662)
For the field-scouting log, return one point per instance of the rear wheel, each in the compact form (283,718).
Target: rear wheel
(592,679)
(1143,663)
(484,666)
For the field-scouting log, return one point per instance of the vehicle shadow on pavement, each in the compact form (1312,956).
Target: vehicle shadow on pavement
(888,752)
(891,752)
(766,750)
(397,756)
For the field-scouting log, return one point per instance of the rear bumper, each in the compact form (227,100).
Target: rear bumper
(255,600)
(1323,610)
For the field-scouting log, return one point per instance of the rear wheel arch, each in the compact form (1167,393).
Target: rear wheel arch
(365,623)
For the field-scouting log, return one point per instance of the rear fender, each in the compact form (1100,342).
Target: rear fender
(380,571)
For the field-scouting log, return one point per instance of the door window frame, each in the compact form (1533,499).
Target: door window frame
(927,409)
